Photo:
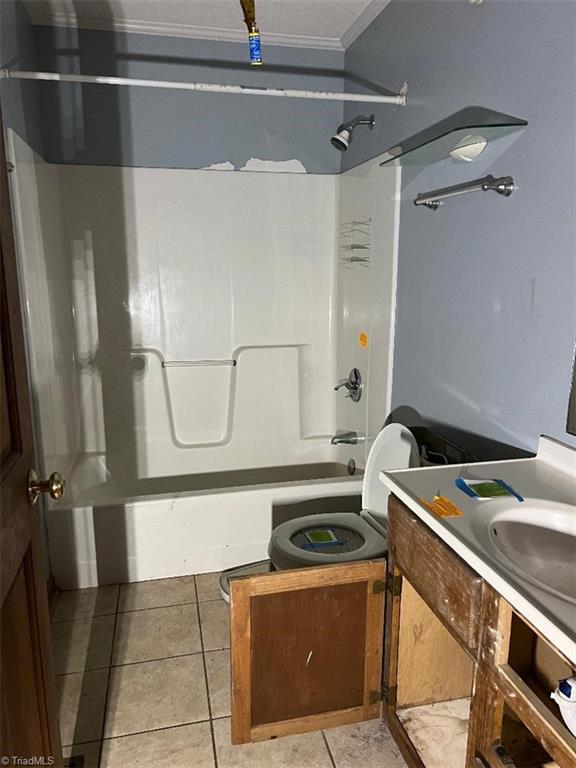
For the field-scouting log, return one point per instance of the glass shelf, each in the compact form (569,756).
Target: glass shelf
(469,126)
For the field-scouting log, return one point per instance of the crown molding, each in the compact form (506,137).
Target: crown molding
(363,21)
(45,18)
(42,16)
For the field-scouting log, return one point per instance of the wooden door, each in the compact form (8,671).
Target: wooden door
(306,649)
(28,716)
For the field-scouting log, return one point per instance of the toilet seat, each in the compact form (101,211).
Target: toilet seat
(394,448)
(285,554)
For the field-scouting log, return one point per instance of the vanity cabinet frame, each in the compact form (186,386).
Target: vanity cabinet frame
(424,578)
(499,685)
(482,623)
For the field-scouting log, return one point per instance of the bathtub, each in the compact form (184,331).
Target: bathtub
(111,532)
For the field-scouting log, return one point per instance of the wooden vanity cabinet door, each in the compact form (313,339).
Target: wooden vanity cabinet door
(306,649)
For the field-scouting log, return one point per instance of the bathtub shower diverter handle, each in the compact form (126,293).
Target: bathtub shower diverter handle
(353,384)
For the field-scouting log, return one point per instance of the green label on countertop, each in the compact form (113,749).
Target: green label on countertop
(489,490)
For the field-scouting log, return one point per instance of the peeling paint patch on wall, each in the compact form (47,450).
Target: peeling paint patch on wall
(274,166)
(226,166)
(256,164)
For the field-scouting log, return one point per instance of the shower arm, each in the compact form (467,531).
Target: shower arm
(356,121)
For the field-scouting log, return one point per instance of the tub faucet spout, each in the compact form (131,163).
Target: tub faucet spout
(342,437)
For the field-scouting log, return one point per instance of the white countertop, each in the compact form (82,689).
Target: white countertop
(551,476)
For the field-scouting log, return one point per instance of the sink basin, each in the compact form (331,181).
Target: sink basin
(536,539)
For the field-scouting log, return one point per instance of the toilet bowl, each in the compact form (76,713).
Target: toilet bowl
(342,537)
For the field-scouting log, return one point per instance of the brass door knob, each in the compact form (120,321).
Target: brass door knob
(54,486)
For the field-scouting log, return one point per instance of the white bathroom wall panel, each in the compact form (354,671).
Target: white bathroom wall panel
(188,266)
(368,216)
(47,289)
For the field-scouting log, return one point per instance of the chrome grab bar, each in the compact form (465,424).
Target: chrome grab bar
(196,363)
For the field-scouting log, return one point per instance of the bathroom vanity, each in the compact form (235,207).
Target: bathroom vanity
(472,646)
(467,678)
(476,636)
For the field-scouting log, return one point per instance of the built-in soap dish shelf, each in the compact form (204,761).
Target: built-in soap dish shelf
(355,244)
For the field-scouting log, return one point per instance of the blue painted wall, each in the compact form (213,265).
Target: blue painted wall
(486,316)
(175,129)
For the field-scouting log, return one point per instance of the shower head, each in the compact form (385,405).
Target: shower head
(342,139)
(344,135)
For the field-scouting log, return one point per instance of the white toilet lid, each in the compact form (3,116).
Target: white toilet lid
(395,447)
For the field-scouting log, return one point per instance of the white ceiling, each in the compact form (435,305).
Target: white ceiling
(327,24)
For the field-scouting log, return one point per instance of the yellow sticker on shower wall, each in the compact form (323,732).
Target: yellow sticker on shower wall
(363,340)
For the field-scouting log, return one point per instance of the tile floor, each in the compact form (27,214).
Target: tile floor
(143,676)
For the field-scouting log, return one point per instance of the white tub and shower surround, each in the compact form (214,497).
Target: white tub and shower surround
(164,268)
(219,266)
(135,276)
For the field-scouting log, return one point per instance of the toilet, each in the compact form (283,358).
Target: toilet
(339,537)
(343,537)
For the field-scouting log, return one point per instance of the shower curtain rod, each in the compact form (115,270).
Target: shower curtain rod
(241,90)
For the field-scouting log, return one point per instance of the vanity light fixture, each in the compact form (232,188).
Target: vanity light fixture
(469,148)
(463,135)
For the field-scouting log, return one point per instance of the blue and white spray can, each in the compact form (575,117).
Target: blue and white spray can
(255,46)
